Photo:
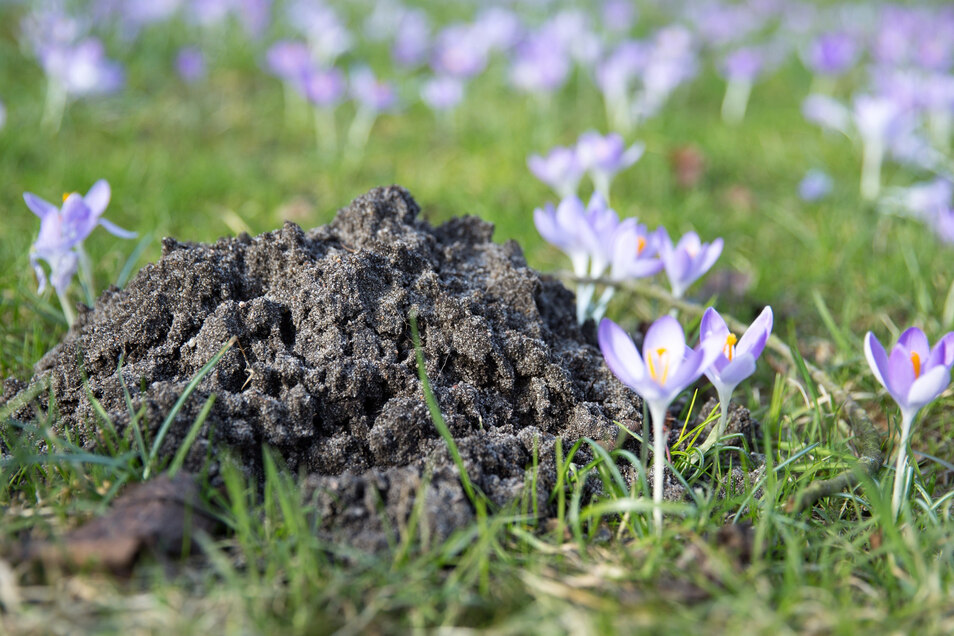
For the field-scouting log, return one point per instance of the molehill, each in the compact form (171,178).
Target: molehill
(324,369)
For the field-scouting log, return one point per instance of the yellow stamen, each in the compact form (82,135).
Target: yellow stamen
(729,348)
(66,195)
(663,357)
(640,245)
(916,363)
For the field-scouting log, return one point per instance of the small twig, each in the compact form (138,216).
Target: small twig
(868,441)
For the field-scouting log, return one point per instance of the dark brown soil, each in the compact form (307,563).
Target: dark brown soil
(325,373)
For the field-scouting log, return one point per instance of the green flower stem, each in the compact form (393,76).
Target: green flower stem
(719,430)
(658,414)
(67,307)
(901,465)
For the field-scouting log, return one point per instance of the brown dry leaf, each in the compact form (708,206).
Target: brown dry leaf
(688,166)
(161,515)
(740,197)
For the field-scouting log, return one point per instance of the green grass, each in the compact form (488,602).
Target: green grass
(226,155)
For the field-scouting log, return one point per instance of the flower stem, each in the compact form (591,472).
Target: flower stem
(54,106)
(360,131)
(658,413)
(717,432)
(735,101)
(872,155)
(602,303)
(86,276)
(67,307)
(901,466)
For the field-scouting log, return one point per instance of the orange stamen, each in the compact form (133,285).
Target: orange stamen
(729,348)
(66,195)
(663,357)
(916,363)
(640,245)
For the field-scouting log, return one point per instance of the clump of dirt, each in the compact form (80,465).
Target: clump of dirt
(324,369)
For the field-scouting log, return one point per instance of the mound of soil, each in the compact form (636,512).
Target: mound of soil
(324,369)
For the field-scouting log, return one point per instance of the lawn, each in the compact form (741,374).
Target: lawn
(235,152)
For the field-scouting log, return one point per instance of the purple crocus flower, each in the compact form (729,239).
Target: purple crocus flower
(499,28)
(814,186)
(83,69)
(327,35)
(832,54)
(914,374)
(618,15)
(943,225)
(635,252)
(671,62)
(442,93)
(459,52)
(615,75)
(740,69)
(744,64)
(585,235)
(561,170)
(826,112)
(877,120)
(323,87)
(920,200)
(735,362)
(288,60)
(688,260)
(538,66)
(412,40)
(604,156)
(62,231)
(370,92)
(665,368)
(190,64)
(372,97)
(634,255)
(255,16)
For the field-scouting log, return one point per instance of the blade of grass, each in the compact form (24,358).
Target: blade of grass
(436,415)
(164,429)
(190,438)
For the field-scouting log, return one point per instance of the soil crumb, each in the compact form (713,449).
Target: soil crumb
(324,370)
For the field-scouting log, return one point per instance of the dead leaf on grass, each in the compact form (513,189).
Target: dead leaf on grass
(688,166)
(161,515)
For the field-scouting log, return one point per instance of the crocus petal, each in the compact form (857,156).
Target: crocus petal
(712,325)
(545,220)
(711,256)
(688,370)
(739,368)
(900,373)
(877,358)
(943,352)
(633,154)
(620,354)
(914,340)
(78,220)
(115,230)
(40,274)
(98,197)
(928,386)
(62,270)
(642,268)
(666,333)
(38,206)
(754,339)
